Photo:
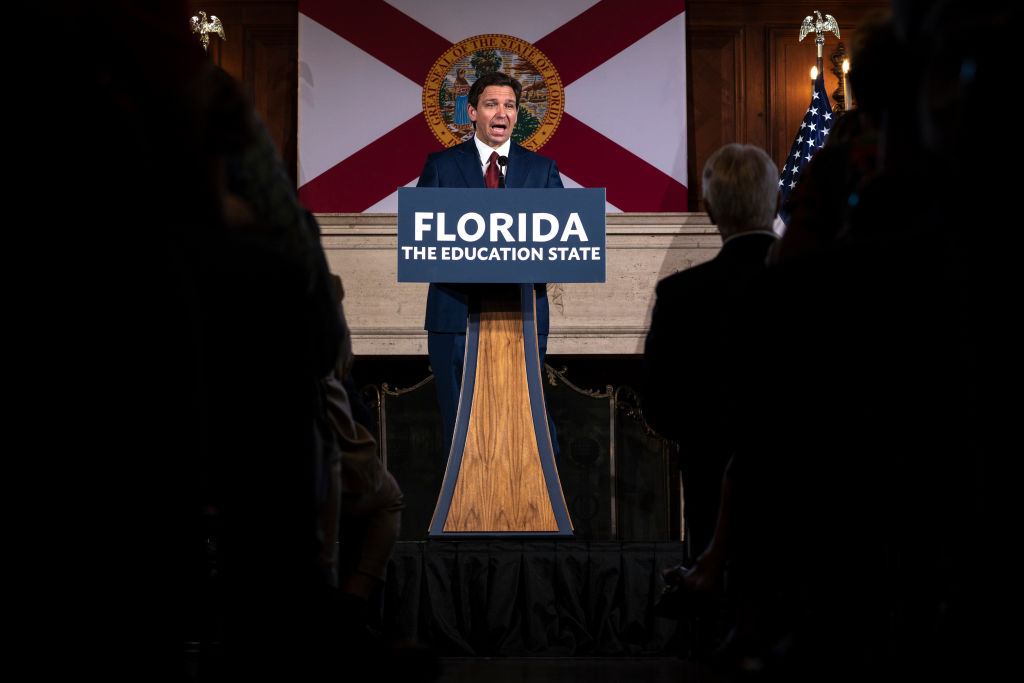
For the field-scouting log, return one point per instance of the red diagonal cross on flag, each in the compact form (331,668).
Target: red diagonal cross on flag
(362,132)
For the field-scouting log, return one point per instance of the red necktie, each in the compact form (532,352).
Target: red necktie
(491,177)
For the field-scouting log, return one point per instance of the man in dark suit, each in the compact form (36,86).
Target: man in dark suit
(493,108)
(691,346)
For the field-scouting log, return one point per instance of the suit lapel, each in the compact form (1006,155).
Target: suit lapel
(469,164)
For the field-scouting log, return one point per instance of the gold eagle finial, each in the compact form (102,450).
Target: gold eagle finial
(819,26)
(204,27)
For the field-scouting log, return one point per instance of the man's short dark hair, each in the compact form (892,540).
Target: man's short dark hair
(493,78)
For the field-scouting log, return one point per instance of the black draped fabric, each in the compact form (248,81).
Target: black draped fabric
(530,598)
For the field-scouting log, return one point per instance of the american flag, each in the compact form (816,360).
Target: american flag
(809,138)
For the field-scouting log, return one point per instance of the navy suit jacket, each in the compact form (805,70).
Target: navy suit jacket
(690,345)
(459,166)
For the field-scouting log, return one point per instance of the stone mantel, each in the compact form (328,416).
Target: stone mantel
(386,316)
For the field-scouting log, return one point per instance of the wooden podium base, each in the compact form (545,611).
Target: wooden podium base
(501,477)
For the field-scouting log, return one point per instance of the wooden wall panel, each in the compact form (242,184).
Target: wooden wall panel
(716,115)
(791,62)
(270,76)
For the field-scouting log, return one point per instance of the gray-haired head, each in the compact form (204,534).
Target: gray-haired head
(741,189)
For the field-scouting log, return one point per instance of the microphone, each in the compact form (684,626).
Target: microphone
(503,162)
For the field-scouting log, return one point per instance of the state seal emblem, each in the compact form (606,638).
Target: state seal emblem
(446,90)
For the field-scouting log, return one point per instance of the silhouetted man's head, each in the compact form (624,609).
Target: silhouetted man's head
(741,189)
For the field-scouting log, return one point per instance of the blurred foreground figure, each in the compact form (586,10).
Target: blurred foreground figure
(865,523)
(185,351)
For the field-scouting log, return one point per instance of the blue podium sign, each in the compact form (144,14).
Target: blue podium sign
(501,235)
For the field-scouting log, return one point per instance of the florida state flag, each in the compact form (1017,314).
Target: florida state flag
(382,84)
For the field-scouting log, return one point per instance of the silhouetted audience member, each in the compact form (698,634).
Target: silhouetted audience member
(273,333)
(200,319)
(691,345)
(371,510)
(865,524)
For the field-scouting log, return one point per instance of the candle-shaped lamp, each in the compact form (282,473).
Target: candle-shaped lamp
(847,97)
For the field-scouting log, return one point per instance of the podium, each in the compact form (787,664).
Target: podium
(501,478)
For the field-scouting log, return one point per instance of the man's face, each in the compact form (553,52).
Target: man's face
(495,114)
